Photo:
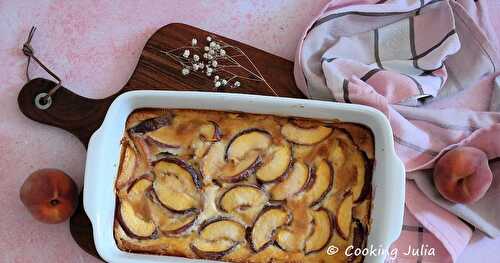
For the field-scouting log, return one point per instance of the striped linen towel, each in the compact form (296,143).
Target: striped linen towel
(429,67)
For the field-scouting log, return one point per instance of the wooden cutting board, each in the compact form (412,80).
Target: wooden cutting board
(261,73)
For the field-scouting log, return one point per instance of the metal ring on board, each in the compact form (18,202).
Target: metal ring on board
(43,101)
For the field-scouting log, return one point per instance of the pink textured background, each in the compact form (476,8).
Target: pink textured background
(93,46)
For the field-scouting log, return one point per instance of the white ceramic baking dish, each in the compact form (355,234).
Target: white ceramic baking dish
(103,159)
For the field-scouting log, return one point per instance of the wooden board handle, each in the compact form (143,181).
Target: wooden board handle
(79,115)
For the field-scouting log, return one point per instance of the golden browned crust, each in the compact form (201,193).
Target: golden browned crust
(242,187)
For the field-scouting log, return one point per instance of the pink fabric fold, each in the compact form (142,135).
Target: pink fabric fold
(436,222)
(431,136)
(428,67)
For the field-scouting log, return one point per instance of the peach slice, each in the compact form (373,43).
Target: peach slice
(212,249)
(245,201)
(172,199)
(222,228)
(276,164)
(363,185)
(215,167)
(337,156)
(263,231)
(321,182)
(152,124)
(171,165)
(295,182)
(357,239)
(201,148)
(139,186)
(292,237)
(344,216)
(305,136)
(138,189)
(288,241)
(210,132)
(213,161)
(217,237)
(127,166)
(167,137)
(176,184)
(359,184)
(135,226)
(248,140)
(170,137)
(130,217)
(322,231)
(168,222)
(360,135)
(159,140)
(176,225)
(236,171)
(241,156)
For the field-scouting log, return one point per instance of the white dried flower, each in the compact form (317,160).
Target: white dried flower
(213,44)
(186,53)
(217,46)
(196,57)
(185,71)
(201,65)
(211,52)
(222,52)
(224,82)
(216,77)
(206,48)
(196,67)
(209,57)
(205,55)
(217,84)
(214,63)
(237,83)
(209,74)
(209,69)
(194,42)
(209,38)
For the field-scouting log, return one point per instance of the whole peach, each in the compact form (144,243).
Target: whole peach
(50,195)
(462,175)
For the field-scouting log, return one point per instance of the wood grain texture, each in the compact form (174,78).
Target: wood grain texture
(76,114)
(154,71)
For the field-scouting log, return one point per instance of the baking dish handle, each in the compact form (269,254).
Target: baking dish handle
(91,184)
(69,111)
(398,198)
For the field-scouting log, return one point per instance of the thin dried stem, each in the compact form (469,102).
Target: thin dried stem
(188,62)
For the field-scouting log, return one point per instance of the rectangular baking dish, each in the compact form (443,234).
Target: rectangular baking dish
(103,158)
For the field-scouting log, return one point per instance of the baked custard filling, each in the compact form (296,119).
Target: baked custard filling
(243,187)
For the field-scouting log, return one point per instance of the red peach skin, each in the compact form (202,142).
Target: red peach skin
(50,195)
(462,175)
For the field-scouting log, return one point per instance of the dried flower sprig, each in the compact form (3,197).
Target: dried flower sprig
(218,61)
